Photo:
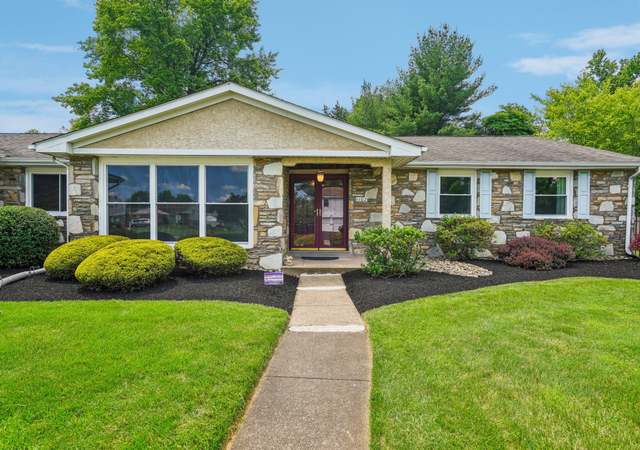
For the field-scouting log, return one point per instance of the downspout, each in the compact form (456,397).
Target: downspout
(630,210)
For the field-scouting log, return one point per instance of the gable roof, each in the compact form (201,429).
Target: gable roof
(14,148)
(512,151)
(74,142)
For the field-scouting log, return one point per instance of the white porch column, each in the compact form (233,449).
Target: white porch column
(386,194)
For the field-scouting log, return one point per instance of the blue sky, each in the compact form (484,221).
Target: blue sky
(327,48)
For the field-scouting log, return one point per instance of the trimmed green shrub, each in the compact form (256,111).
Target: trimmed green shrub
(210,256)
(392,252)
(460,237)
(61,264)
(127,265)
(27,235)
(586,241)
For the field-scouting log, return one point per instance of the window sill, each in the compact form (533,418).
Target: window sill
(548,217)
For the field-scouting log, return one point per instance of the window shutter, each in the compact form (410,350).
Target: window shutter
(432,193)
(485,194)
(529,193)
(584,195)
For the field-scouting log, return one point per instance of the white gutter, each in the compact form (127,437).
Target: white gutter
(631,197)
(521,164)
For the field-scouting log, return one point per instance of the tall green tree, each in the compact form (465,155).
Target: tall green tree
(511,120)
(437,88)
(601,108)
(147,52)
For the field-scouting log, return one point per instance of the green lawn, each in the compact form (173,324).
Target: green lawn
(533,365)
(115,374)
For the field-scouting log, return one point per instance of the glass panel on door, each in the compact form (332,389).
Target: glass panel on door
(304,214)
(332,213)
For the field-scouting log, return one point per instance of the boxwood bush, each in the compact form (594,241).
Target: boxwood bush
(127,265)
(585,240)
(460,237)
(391,252)
(536,253)
(210,256)
(27,235)
(61,264)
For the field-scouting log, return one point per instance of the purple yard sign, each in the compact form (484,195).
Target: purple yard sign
(273,278)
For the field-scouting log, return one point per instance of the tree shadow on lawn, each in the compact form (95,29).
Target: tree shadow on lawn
(368,293)
(246,287)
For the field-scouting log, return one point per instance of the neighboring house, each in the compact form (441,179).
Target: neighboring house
(276,177)
(30,178)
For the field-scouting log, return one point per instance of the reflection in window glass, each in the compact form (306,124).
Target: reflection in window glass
(132,221)
(455,195)
(177,222)
(551,196)
(228,222)
(128,184)
(177,184)
(226,184)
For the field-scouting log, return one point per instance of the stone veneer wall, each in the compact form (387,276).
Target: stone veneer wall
(365,201)
(12,186)
(609,191)
(12,193)
(82,190)
(268,215)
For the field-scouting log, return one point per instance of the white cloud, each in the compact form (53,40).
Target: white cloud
(570,66)
(534,38)
(46,47)
(619,36)
(20,115)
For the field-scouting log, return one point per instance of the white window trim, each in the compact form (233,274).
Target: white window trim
(457,173)
(28,185)
(201,163)
(568,174)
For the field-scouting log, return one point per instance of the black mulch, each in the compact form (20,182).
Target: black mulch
(368,293)
(246,287)
(4,273)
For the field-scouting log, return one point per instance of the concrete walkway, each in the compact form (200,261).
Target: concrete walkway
(315,392)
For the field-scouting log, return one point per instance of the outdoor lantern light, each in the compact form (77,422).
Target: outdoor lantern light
(320,177)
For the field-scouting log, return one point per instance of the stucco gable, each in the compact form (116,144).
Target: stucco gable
(231,124)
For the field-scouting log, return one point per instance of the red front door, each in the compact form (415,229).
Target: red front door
(318,212)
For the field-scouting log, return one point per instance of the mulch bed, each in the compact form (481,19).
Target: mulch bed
(368,293)
(246,287)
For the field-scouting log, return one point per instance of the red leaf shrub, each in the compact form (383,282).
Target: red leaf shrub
(635,243)
(536,253)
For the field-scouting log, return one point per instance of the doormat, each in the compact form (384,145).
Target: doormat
(320,258)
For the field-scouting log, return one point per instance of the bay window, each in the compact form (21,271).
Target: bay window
(171,202)
(128,201)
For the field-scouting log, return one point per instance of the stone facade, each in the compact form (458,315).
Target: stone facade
(82,190)
(609,190)
(12,190)
(13,193)
(365,201)
(269,243)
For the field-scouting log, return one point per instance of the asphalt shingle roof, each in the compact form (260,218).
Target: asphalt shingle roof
(511,150)
(16,145)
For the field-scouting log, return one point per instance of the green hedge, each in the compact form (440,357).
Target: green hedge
(61,264)
(392,252)
(460,237)
(210,256)
(27,235)
(586,241)
(127,266)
